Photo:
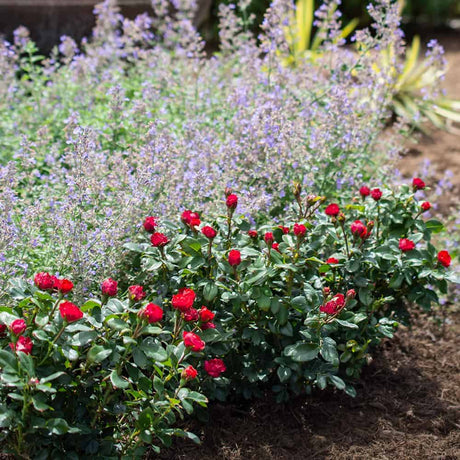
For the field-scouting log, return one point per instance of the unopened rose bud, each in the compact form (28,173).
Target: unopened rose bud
(297,190)
(351,294)
(341,217)
(228,191)
(311,199)
(34,381)
(326,291)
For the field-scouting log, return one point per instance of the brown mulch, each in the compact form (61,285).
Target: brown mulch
(407,407)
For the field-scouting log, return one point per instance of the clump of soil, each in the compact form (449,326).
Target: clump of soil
(408,406)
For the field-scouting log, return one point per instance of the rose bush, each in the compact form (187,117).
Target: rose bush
(107,378)
(301,308)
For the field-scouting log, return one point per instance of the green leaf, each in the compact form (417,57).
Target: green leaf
(153,350)
(8,361)
(117,381)
(337,382)
(329,351)
(302,352)
(284,373)
(115,323)
(365,296)
(57,426)
(83,338)
(346,324)
(50,377)
(98,353)
(90,304)
(210,291)
(434,225)
(39,403)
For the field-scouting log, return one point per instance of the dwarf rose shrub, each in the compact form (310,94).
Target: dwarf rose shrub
(302,304)
(110,377)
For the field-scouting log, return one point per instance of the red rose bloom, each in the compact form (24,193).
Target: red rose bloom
(234,257)
(444,258)
(418,184)
(358,229)
(376,194)
(188,216)
(109,287)
(150,223)
(193,341)
(268,237)
(183,300)
(23,344)
(214,367)
(189,373)
(208,325)
(191,315)
(333,306)
(152,313)
(276,247)
(332,260)
(195,223)
(426,205)
(364,191)
(159,240)
(300,230)
(231,201)
(44,281)
(64,286)
(332,210)
(208,232)
(252,233)
(406,245)
(284,229)
(206,315)
(136,293)
(18,326)
(70,312)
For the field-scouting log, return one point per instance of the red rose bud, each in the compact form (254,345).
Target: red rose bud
(136,293)
(206,315)
(234,257)
(300,230)
(2,330)
(284,229)
(18,326)
(208,232)
(23,344)
(276,247)
(214,367)
(364,191)
(326,291)
(444,258)
(183,300)
(109,287)
(351,294)
(150,223)
(152,313)
(252,233)
(418,184)
(426,205)
(64,286)
(406,245)
(189,373)
(376,194)
(159,240)
(268,237)
(231,201)
(228,191)
(195,223)
(332,210)
(193,341)
(191,314)
(44,281)
(70,312)
(208,325)
(332,261)
(358,229)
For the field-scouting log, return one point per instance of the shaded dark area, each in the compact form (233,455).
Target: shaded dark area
(48,23)
(408,406)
